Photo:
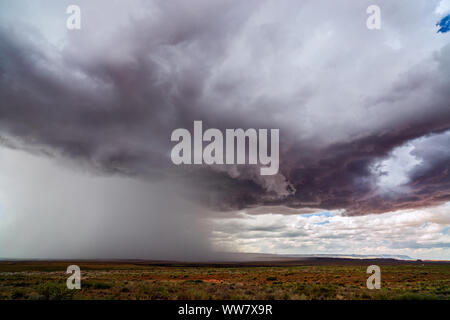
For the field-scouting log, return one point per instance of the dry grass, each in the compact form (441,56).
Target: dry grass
(46,280)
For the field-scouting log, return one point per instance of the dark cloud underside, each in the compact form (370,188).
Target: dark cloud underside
(111,96)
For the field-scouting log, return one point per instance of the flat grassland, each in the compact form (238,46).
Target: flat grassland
(337,279)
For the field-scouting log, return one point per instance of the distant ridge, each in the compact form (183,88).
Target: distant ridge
(360,256)
(243,257)
(270,256)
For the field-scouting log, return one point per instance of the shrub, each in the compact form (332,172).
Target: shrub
(18,294)
(101,285)
(54,291)
(194,281)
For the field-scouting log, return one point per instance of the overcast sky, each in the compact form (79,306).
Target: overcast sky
(86,117)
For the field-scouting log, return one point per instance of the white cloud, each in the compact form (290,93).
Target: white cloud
(417,233)
(394,171)
(444,7)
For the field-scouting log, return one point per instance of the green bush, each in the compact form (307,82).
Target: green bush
(101,285)
(18,294)
(55,291)
(193,281)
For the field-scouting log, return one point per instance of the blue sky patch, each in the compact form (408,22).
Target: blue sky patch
(320,214)
(445,230)
(425,224)
(444,24)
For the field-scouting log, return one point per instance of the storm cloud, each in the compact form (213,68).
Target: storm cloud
(343,97)
(107,97)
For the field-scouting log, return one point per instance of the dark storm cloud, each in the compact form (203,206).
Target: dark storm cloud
(112,95)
